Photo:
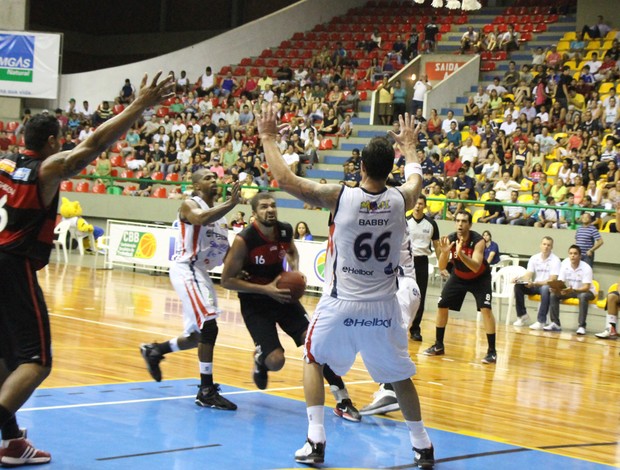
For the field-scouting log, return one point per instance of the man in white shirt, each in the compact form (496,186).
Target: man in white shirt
(481,99)
(546,142)
(497,87)
(504,186)
(577,277)
(469,152)
(419,90)
(594,63)
(528,110)
(291,158)
(207,84)
(511,213)
(445,124)
(541,268)
(508,126)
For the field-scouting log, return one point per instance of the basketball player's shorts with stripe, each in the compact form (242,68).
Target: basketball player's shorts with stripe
(408,295)
(339,329)
(24,322)
(195,289)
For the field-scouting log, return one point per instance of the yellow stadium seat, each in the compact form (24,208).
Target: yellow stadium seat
(476,215)
(571,64)
(611,35)
(526,184)
(560,135)
(485,196)
(590,52)
(525,198)
(576,75)
(607,44)
(593,44)
(608,225)
(563,46)
(553,168)
(576,301)
(569,36)
(603,302)
(605,87)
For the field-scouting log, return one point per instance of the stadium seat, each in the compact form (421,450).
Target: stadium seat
(117,161)
(172,177)
(162,111)
(487,66)
(66,186)
(99,188)
(157,175)
(118,108)
(11,126)
(553,169)
(127,174)
(160,193)
(326,144)
(82,187)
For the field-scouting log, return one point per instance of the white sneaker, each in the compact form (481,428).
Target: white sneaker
(552,327)
(522,321)
(383,402)
(537,326)
(607,334)
(581,330)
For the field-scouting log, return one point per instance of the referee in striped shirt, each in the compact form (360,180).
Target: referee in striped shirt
(588,239)
(422,232)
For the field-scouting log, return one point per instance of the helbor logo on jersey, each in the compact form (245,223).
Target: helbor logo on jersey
(16,57)
(368,323)
(368,207)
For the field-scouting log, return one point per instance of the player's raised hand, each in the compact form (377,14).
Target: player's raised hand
(407,137)
(235,192)
(267,121)
(155,92)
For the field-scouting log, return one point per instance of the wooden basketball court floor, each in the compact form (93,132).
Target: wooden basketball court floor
(551,401)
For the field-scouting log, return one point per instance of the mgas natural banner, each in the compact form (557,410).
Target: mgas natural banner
(29,64)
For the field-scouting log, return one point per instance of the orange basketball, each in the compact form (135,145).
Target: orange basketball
(294,281)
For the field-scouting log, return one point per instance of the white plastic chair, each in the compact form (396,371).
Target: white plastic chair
(504,287)
(504,260)
(79,238)
(61,230)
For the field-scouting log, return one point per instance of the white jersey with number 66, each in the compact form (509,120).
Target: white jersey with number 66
(364,244)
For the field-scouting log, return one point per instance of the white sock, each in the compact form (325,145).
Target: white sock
(174,345)
(316,429)
(339,393)
(206,368)
(418,435)
(612,319)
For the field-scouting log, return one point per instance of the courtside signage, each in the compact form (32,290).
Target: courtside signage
(29,64)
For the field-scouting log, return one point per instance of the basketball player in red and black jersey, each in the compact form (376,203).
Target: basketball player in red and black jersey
(29,187)
(252,267)
(464,249)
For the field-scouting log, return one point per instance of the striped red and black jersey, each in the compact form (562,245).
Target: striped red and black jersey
(265,259)
(29,231)
(459,268)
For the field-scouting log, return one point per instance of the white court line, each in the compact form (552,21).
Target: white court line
(129,328)
(181,397)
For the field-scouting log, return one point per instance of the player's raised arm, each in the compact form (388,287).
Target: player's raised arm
(67,164)
(323,195)
(407,140)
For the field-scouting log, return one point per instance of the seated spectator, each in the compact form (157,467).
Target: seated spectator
(238,222)
(504,187)
(330,124)
(206,84)
(292,159)
(530,215)
(492,212)
(566,216)
(103,113)
(374,42)
(182,83)
(145,186)
(249,188)
(489,41)
(512,213)
(127,93)
(576,48)
(558,191)
(491,249)
(509,41)
(435,203)
(548,217)
(598,30)
(511,77)
(352,178)
(577,277)
(452,166)
(302,232)
(554,58)
(310,150)
(346,127)
(469,40)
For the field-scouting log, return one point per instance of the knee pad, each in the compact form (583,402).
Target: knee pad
(209,331)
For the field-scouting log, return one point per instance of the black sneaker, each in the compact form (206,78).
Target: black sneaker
(260,375)
(490,358)
(435,350)
(416,335)
(152,357)
(311,453)
(209,397)
(424,458)
(346,410)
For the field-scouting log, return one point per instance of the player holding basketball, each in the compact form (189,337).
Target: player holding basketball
(252,268)
(201,245)
(29,186)
(470,273)
(358,311)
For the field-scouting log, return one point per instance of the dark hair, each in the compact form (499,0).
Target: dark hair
(296,235)
(466,214)
(422,196)
(378,158)
(258,198)
(576,248)
(38,129)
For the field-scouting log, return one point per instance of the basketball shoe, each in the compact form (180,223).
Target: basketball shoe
(17,452)
(311,453)
(152,357)
(209,397)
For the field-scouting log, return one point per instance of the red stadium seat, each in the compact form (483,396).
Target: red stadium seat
(172,177)
(326,144)
(160,193)
(118,108)
(488,28)
(157,175)
(540,28)
(66,186)
(12,126)
(266,53)
(1,126)
(127,174)
(83,187)
(487,66)
(162,111)
(525,37)
(99,188)
(117,161)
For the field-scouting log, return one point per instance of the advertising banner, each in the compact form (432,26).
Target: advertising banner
(438,71)
(152,247)
(29,64)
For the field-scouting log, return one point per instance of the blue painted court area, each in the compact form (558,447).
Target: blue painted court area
(150,425)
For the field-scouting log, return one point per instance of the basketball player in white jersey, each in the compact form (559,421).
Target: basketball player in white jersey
(409,299)
(358,311)
(201,245)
